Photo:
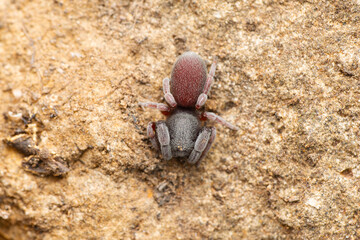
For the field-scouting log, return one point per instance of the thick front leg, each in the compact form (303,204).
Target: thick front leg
(203,96)
(163,135)
(202,144)
(160,138)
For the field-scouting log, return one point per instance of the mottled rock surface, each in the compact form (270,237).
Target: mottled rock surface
(72,74)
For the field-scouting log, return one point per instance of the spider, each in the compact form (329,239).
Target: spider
(182,134)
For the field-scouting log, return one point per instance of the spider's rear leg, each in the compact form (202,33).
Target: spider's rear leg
(160,106)
(202,145)
(210,78)
(167,94)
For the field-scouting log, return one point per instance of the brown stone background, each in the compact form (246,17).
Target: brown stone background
(288,76)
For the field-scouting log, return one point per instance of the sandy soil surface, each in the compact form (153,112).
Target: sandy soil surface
(72,74)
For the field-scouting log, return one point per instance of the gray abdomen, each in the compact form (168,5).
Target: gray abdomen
(184,128)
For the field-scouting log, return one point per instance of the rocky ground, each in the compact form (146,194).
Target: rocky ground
(75,162)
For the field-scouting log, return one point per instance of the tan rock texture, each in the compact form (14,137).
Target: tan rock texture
(72,74)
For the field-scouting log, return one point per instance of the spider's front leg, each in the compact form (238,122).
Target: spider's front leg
(159,136)
(202,145)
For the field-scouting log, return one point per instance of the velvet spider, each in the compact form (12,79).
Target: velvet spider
(181,134)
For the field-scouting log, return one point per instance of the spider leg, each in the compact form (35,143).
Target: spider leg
(163,136)
(151,134)
(160,106)
(218,119)
(167,94)
(202,144)
(208,146)
(210,78)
